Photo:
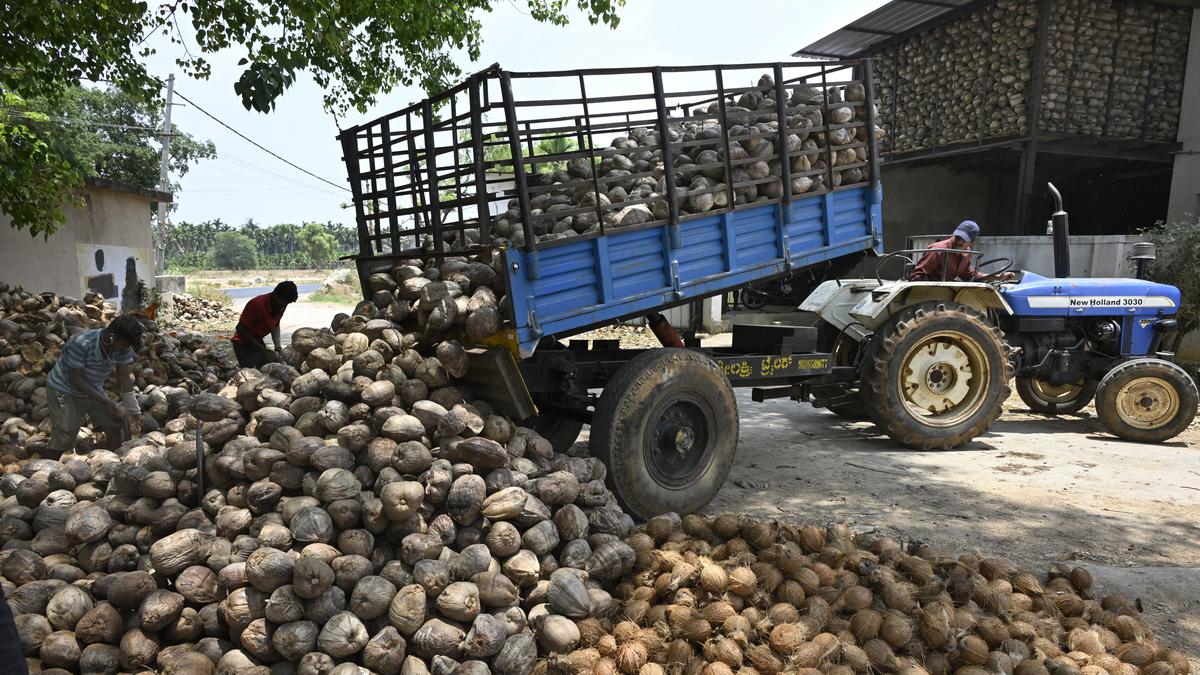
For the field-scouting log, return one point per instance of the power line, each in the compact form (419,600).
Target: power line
(258,145)
(254,167)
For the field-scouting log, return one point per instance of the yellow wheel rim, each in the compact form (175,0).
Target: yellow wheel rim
(1056,393)
(1147,403)
(944,378)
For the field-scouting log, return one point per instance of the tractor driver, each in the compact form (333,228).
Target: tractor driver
(938,266)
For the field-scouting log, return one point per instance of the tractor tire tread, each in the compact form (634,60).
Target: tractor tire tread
(883,348)
(1110,385)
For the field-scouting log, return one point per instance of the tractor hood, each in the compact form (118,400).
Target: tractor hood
(1036,295)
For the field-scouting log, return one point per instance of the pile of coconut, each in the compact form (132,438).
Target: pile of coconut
(733,595)
(359,509)
(822,153)
(33,329)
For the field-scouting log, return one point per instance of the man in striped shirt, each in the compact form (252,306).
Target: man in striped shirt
(75,388)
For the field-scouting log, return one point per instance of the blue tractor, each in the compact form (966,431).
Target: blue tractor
(935,357)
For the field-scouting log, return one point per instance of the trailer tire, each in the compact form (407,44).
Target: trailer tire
(560,431)
(1047,399)
(1146,400)
(666,427)
(901,378)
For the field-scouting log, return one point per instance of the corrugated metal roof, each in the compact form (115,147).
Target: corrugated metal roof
(895,18)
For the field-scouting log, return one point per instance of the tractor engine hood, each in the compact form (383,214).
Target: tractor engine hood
(1036,295)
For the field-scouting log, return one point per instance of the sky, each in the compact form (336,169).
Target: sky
(245,182)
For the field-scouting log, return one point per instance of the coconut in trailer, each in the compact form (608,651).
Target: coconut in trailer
(570,201)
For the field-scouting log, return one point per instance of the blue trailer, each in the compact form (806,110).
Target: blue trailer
(467,173)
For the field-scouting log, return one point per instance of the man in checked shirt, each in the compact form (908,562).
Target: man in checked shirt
(75,388)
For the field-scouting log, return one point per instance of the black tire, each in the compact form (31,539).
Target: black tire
(1146,400)
(752,298)
(893,398)
(560,431)
(658,400)
(1047,399)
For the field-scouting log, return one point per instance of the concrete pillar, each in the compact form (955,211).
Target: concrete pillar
(1185,178)
(171,283)
(711,320)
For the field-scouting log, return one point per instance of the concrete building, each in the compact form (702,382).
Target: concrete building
(985,101)
(104,246)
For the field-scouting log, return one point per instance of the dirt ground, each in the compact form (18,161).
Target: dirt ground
(1035,490)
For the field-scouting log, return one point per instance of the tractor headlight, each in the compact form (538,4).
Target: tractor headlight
(1104,330)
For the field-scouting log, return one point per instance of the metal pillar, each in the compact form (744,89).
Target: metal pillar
(1033,122)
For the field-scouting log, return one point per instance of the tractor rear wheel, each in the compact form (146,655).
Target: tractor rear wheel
(666,427)
(936,375)
(1055,399)
(1146,400)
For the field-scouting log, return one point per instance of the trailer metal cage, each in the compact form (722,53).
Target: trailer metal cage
(430,179)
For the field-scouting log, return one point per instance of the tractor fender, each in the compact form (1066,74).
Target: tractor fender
(881,303)
(833,300)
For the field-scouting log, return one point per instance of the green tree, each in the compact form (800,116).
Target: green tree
(234,250)
(317,245)
(50,146)
(1177,245)
(354,49)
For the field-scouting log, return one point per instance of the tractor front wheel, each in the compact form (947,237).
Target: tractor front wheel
(1146,400)
(936,375)
(1055,399)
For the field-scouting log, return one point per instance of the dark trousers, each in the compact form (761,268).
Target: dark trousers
(11,660)
(249,356)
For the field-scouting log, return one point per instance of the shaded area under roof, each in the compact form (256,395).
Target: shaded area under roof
(895,19)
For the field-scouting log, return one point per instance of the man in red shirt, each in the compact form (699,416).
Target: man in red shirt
(936,266)
(261,316)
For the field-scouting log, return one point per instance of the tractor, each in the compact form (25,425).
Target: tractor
(934,358)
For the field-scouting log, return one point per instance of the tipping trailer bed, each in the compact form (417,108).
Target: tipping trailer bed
(503,165)
(475,148)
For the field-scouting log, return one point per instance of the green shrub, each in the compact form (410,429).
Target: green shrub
(1178,247)
(235,251)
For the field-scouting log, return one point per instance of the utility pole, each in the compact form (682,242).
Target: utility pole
(160,244)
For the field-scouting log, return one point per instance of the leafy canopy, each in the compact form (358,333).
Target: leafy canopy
(235,251)
(48,145)
(1177,245)
(317,245)
(354,49)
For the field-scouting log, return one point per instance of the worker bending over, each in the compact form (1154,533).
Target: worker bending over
(75,388)
(261,316)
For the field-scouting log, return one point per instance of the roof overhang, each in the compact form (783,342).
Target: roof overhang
(137,191)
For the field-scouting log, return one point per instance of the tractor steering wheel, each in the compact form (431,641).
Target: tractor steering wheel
(1008,263)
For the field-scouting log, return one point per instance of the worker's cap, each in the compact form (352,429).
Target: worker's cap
(967,230)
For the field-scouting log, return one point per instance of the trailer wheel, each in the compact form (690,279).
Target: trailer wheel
(1050,399)
(666,427)
(1146,400)
(936,375)
(560,431)
(752,298)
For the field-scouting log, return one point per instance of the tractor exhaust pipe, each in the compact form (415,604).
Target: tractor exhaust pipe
(1062,236)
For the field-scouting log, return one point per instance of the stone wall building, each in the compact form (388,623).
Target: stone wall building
(985,101)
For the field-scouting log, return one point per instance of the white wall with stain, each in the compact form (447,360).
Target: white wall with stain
(113,221)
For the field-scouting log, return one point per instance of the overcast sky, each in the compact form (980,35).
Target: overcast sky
(244,182)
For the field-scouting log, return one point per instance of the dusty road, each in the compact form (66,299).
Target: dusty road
(1035,490)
